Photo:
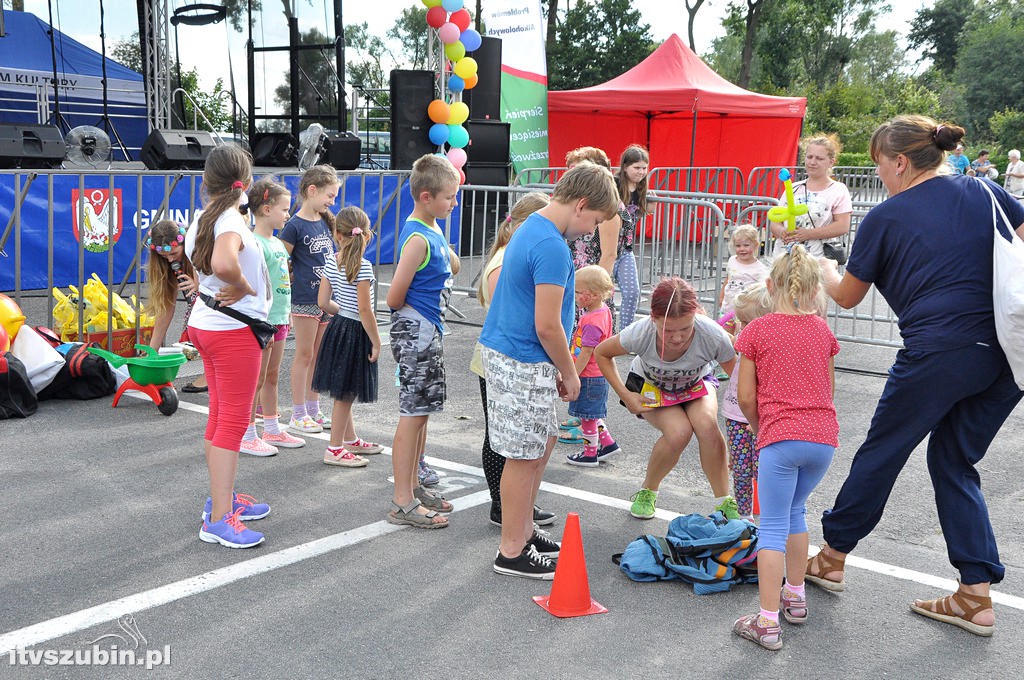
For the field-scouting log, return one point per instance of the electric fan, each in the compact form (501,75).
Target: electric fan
(88,146)
(311,146)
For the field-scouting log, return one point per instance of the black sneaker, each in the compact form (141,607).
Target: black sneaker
(529,564)
(604,452)
(540,517)
(545,545)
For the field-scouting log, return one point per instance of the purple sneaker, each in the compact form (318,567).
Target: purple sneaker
(251,510)
(230,532)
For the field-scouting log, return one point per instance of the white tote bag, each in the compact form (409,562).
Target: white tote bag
(42,362)
(1008,290)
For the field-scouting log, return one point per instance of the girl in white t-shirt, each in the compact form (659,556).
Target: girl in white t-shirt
(672,386)
(828,202)
(743,268)
(232,273)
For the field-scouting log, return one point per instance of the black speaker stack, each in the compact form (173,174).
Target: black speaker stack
(342,150)
(31,146)
(176,149)
(411,94)
(274,149)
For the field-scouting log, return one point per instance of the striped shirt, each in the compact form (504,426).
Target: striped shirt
(343,292)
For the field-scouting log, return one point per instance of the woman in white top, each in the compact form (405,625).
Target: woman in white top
(828,201)
(1014,182)
(232,273)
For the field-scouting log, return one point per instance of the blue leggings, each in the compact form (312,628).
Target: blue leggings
(960,397)
(624,272)
(787,473)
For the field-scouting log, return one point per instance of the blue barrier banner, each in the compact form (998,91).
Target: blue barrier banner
(99,217)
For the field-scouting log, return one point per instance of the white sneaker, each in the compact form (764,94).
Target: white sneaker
(304,425)
(257,447)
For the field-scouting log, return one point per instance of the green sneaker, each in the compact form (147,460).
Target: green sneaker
(643,504)
(729,508)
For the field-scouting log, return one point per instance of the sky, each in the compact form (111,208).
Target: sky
(216,50)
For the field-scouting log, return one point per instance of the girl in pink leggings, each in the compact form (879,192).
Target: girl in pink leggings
(232,273)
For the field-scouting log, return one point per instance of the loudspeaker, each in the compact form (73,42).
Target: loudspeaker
(482,211)
(31,146)
(487,174)
(277,149)
(411,94)
(342,150)
(176,149)
(488,141)
(484,100)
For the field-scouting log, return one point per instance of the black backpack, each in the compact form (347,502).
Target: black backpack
(83,376)
(17,398)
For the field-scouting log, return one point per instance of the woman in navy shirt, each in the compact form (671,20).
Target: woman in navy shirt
(928,251)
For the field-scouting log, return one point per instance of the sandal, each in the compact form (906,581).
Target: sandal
(941,610)
(570,423)
(573,435)
(793,606)
(432,500)
(409,516)
(822,564)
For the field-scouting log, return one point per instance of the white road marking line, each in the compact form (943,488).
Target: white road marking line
(109,611)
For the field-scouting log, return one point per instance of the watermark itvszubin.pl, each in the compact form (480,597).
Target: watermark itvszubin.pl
(125,648)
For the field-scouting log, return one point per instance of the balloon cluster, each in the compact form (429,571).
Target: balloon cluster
(452,21)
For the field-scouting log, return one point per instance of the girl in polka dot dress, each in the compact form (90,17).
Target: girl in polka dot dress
(786,383)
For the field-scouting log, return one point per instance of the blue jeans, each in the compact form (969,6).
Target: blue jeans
(961,397)
(787,474)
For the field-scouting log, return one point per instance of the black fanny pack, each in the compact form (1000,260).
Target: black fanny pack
(263,331)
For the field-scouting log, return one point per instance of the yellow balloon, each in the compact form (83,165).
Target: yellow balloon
(464,68)
(458,112)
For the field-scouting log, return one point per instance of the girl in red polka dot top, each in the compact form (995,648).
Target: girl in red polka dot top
(785,389)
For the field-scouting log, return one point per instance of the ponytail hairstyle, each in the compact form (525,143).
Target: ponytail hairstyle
(265,191)
(351,234)
(163,282)
(318,176)
(634,153)
(752,302)
(674,297)
(796,282)
(228,171)
(523,208)
(923,141)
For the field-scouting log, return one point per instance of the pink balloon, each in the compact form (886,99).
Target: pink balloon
(457,157)
(448,33)
(436,17)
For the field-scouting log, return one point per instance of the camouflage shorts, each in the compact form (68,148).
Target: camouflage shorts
(416,347)
(520,405)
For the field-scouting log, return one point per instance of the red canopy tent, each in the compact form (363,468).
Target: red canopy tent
(682,111)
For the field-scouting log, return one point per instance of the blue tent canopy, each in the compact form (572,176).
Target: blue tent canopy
(26,74)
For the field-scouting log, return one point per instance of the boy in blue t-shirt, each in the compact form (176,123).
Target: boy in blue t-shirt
(418,297)
(526,356)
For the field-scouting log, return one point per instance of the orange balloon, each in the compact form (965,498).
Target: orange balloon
(472,81)
(438,111)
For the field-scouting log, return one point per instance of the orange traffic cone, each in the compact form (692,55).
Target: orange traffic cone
(757,505)
(570,591)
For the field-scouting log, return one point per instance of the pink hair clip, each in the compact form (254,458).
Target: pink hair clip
(938,129)
(357,231)
(238,185)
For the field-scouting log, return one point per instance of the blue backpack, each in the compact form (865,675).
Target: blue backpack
(710,552)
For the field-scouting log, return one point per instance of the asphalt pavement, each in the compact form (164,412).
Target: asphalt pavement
(101,508)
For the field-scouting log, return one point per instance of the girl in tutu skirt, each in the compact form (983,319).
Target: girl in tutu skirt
(347,364)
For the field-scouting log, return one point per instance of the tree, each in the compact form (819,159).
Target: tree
(938,28)
(989,65)
(551,13)
(128,53)
(410,32)
(750,26)
(691,12)
(317,85)
(597,41)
